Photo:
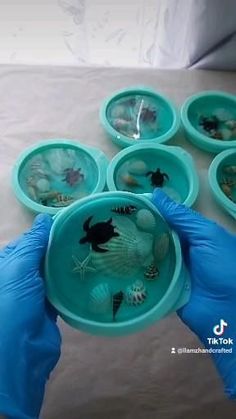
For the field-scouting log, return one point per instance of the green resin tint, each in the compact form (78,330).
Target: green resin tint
(55,173)
(136,169)
(139,115)
(113,266)
(209,120)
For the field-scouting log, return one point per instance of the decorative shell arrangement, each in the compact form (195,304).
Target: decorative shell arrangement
(136,293)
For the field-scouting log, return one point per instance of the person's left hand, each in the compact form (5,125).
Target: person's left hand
(29,337)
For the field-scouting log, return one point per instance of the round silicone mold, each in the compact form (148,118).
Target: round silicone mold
(54,173)
(222,179)
(140,170)
(139,115)
(103,279)
(209,120)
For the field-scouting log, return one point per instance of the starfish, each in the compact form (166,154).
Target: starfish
(82,267)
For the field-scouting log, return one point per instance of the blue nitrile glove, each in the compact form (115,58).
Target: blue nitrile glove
(29,338)
(210,254)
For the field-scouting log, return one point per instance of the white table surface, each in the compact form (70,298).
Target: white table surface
(134,377)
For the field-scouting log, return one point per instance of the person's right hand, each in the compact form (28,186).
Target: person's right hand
(210,254)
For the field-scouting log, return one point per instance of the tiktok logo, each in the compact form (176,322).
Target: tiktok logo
(219,329)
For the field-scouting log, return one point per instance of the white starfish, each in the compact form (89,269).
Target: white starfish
(82,267)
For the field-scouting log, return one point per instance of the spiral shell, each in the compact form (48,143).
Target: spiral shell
(136,293)
(161,247)
(100,299)
(137,167)
(145,220)
(125,253)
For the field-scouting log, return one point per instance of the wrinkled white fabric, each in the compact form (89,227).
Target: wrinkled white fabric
(135,377)
(196,34)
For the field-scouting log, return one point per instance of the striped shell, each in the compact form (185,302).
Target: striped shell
(136,293)
(100,299)
(125,253)
(161,247)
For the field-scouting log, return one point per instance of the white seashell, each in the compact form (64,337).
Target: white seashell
(161,247)
(136,293)
(145,220)
(100,299)
(231,124)
(226,133)
(125,253)
(137,167)
(43,185)
(223,115)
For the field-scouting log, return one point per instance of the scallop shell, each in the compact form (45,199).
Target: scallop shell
(161,247)
(136,293)
(43,185)
(137,167)
(125,253)
(145,220)
(100,299)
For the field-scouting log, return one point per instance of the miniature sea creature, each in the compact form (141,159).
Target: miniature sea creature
(73,176)
(100,299)
(128,210)
(151,272)
(148,115)
(62,200)
(137,167)
(161,247)
(136,293)
(227,186)
(145,220)
(229,169)
(209,123)
(130,181)
(99,233)
(126,254)
(116,302)
(157,177)
(82,267)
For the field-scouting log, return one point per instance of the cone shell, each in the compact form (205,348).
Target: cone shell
(145,220)
(161,247)
(137,167)
(136,293)
(125,253)
(100,299)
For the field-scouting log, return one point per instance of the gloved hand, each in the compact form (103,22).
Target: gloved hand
(210,254)
(29,338)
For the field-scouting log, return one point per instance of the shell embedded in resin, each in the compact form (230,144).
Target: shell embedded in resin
(130,181)
(100,299)
(161,247)
(43,185)
(60,159)
(145,220)
(137,167)
(136,293)
(126,253)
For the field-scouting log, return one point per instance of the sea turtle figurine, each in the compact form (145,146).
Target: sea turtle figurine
(73,176)
(99,233)
(157,177)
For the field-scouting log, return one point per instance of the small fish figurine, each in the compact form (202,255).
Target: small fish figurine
(116,302)
(126,210)
(151,272)
(73,176)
